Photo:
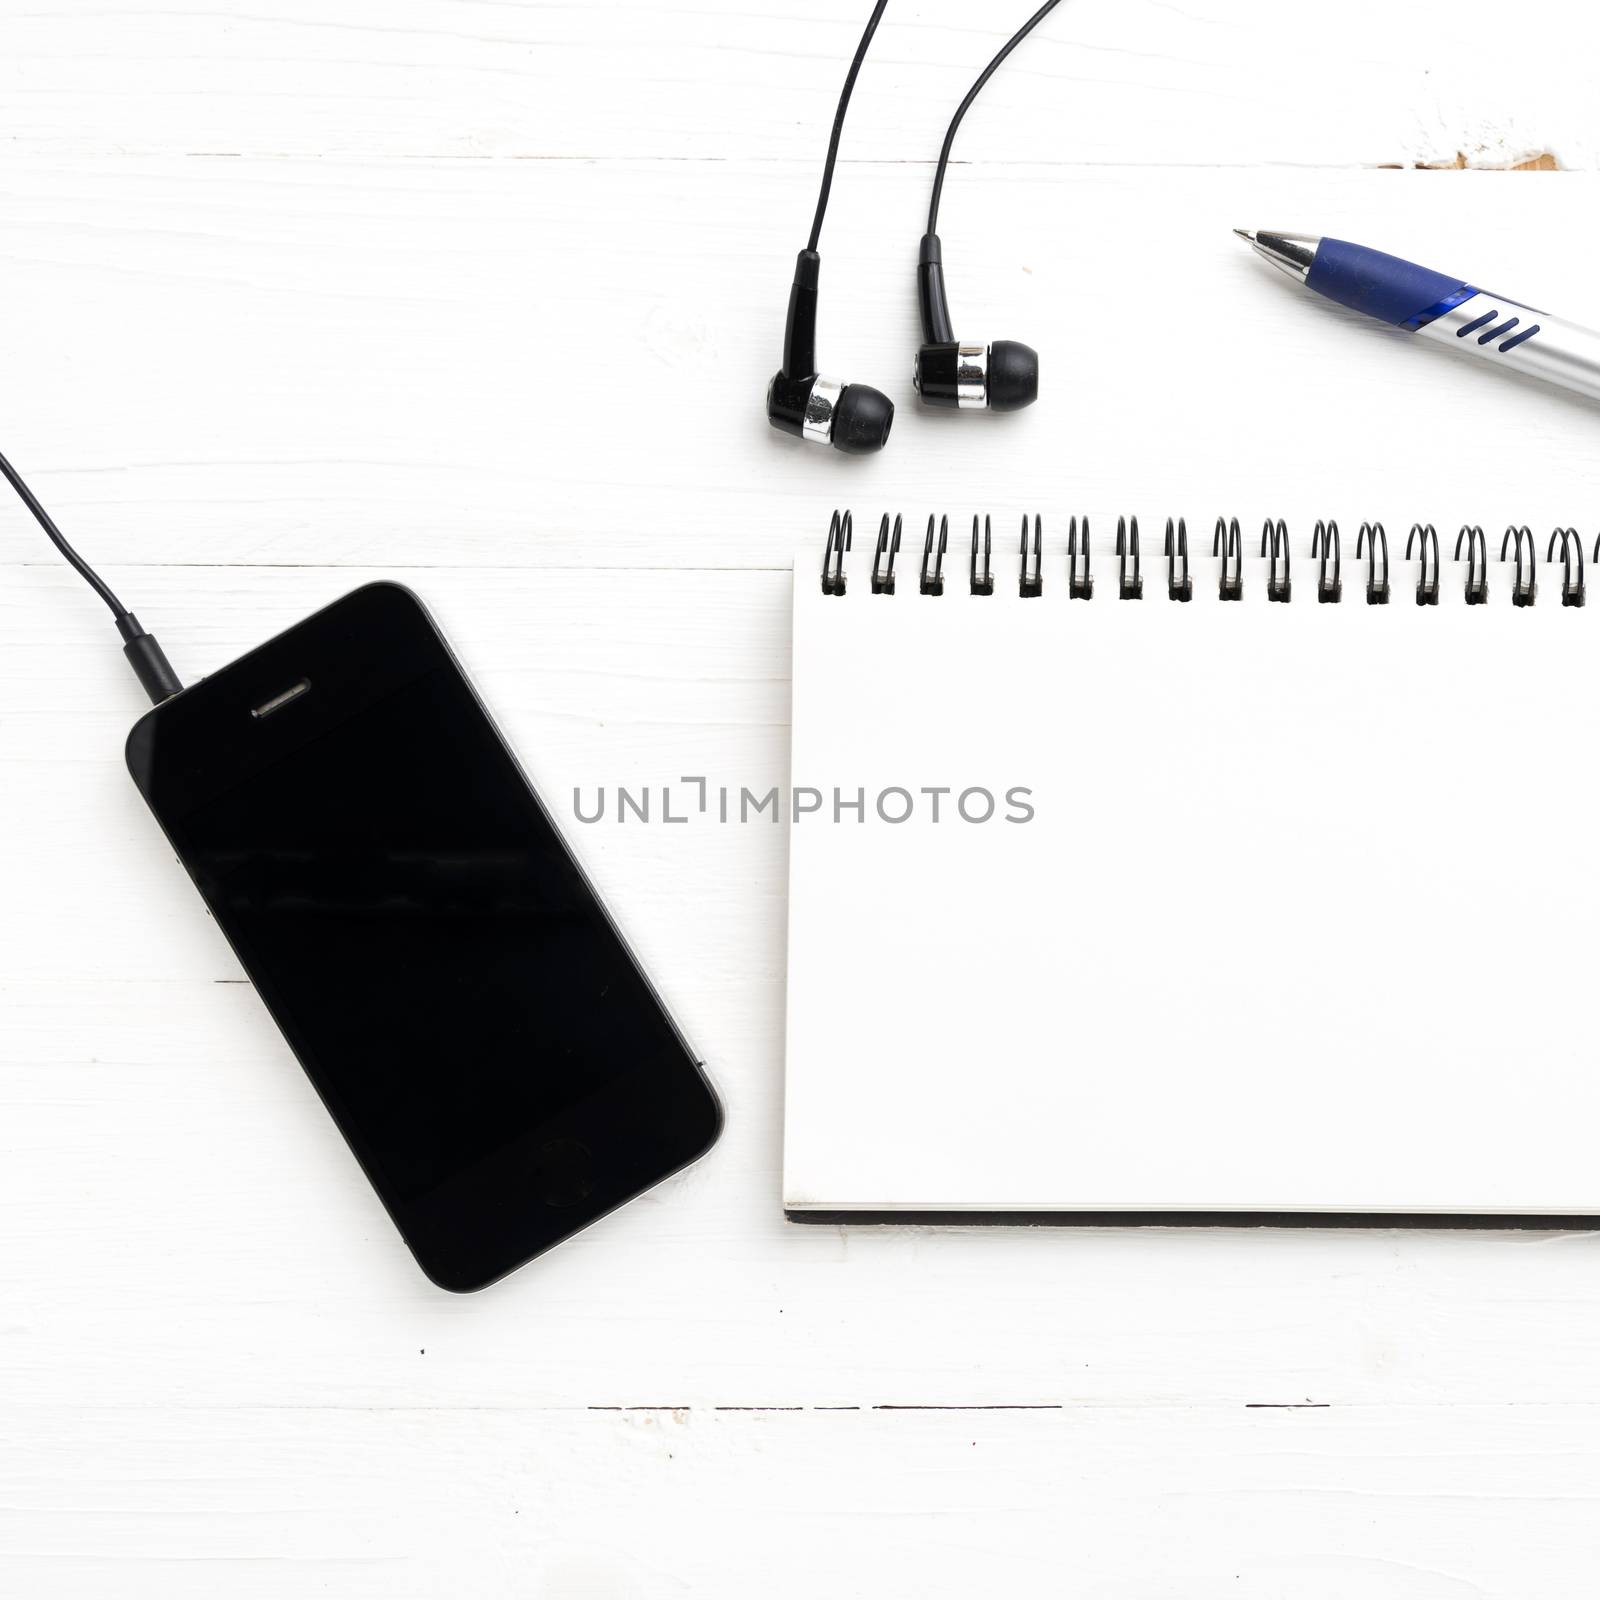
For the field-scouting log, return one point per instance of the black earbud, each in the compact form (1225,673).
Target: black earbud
(850,416)
(1003,376)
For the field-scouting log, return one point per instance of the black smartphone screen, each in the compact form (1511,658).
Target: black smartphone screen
(449,980)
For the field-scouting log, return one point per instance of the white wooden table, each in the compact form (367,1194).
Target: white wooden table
(484,296)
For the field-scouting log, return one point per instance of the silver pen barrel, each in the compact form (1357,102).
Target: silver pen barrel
(1518,337)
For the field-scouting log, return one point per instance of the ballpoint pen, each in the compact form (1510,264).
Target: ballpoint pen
(1445,309)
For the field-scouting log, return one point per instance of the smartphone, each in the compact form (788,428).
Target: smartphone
(479,1030)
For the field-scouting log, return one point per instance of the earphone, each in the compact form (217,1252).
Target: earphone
(850,416)
(1003,376)
(854,418)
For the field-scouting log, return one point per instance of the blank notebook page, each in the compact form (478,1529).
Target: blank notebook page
(1303,920)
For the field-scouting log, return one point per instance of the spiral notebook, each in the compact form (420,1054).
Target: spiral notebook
(1247,875)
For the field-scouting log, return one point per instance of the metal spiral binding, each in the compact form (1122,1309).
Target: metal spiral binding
(1518,547)
(1477,564)
(1329,590)
(1572,594)
(1030,585)
(982,583)
(933,583)
(1225,543)
(1178,588)
(1278,589)
(1128,544)
(1425,534)
(1525,590)
(839,533)
(1079,586)
(1371,536)
(883,557)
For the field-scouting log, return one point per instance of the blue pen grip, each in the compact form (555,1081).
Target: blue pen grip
(1381,286)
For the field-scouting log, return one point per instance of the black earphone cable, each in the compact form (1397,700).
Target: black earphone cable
(972,94)
(838,118)
(144,654)
(58,539)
